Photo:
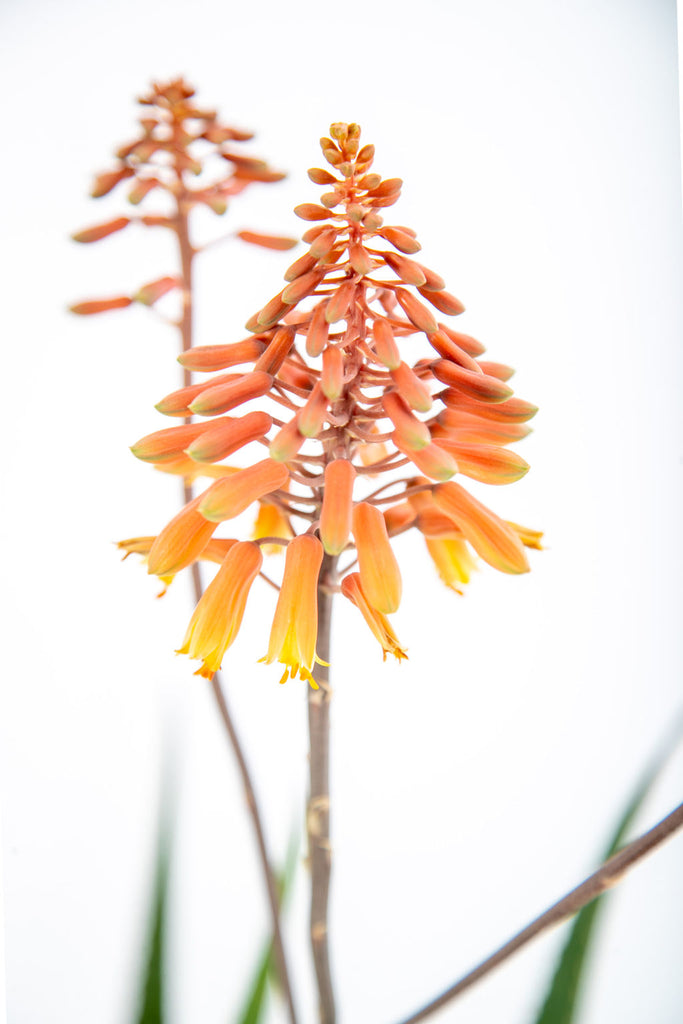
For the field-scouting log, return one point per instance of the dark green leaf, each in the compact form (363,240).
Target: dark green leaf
(151,1008)
(561,1002)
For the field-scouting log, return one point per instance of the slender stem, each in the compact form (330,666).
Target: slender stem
(187,254)
(609,874)
(318,816)
(269,878)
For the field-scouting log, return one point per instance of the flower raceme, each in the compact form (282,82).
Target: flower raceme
(369,402)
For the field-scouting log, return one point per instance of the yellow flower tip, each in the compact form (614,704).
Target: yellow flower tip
(218,616)
(352,588)
(295,624)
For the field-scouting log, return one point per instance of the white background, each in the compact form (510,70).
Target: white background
(472,786)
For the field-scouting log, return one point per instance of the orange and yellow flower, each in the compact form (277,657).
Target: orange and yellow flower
(295,626)
(352,587)
(218,616)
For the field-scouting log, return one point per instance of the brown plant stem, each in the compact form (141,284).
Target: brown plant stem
(187,254)
(606,876)
(318,814)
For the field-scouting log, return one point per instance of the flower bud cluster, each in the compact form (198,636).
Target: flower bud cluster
(369,403)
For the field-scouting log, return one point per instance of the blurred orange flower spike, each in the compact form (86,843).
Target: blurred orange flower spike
(335,517)
(227,498)
(379,569)
(352,588)
(181,541)
(218,616)
(295,625)
(493,539)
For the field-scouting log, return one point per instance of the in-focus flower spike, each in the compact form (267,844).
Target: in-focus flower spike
(295,626)
(352,587)
(366,404)
(218,616)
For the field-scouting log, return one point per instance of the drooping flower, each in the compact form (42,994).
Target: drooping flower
(218,616)
(352,587)
(295,626)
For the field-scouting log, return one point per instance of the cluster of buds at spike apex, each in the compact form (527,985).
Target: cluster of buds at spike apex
(186,152)
(373,406)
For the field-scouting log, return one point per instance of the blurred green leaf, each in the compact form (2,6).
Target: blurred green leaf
(152,995)
(266,970)
(561,1002)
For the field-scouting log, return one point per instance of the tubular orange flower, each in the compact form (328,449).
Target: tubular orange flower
(352,588)
(335,515)
(295,626)
(181,541)
(379,569)
(218,616)
(225,499)
(494,540)
(271,522)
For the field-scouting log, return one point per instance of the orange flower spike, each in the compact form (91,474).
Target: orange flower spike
(379,569)
(218,616)
(491,537)
(222,437)
(453,561)
(182,540)
(335,516)
(295,625)
(227,498)
(352,588)
(411,388)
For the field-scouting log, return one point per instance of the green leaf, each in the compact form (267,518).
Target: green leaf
(266,969)
(561,1002)
(151,1003)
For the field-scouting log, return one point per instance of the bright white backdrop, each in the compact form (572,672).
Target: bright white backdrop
(538,144)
